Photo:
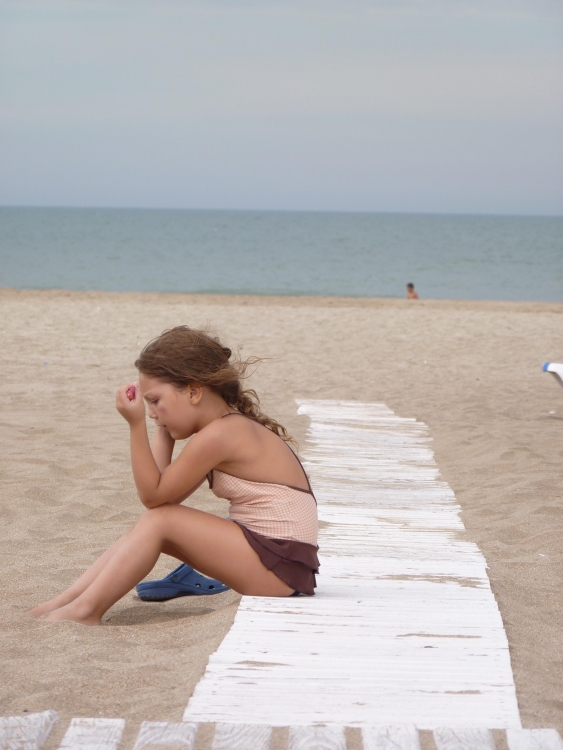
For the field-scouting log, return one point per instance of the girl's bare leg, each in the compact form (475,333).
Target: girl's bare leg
(213,545)
(81,584)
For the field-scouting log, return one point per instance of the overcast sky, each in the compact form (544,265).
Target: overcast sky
(422,106)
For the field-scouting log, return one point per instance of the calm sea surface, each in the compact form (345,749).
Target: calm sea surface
(267,252)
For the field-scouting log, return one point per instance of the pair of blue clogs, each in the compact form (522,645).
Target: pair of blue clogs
(182,581)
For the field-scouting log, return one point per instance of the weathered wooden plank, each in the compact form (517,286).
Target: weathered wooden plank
(534,739)
(394,737)
(164,733)
(242,737)
(317,738)
(472,738)
(93,734)
(404,626)
(26,732)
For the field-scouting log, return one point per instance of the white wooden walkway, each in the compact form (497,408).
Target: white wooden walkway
(404,627)
(30,732)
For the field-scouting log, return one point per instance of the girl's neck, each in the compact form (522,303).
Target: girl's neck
(214,407)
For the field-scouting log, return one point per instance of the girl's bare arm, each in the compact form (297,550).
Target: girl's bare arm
(178,479)
(162,447)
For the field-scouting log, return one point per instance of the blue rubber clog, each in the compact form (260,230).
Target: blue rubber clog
(182,581)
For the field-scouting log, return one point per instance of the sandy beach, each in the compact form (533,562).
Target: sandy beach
(472,371)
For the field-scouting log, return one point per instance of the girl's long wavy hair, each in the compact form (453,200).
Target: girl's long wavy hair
(184,356)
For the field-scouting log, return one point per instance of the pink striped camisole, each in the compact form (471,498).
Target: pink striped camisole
(277,511)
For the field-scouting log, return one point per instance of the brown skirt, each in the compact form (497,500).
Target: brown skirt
(293,562)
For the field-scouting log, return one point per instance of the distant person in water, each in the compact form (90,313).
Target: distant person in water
(411,294)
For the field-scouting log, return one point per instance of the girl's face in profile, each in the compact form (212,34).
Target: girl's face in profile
(169,407)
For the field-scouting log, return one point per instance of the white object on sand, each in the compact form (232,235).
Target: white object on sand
(395,737)
(317,738)
(475,738)
(556,369)
(163,733)
(242,737)
(26,732)
(534,739)
(93,734)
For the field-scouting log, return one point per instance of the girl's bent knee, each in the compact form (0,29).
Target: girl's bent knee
(158,515)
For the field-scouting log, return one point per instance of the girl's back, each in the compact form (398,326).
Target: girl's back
(258,454)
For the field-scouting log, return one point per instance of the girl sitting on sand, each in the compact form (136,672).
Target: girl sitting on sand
(268,546)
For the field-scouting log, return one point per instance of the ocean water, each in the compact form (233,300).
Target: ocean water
(269,252)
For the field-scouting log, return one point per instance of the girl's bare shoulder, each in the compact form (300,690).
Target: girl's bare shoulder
(240,436)
(230,427)
(219,441)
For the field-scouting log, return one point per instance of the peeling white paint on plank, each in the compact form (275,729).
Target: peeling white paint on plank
(396,737)
(317,738)
(404,627)
(474,738)
(534,739)
(242,737)
(93,734)
(26,732)
(163,733)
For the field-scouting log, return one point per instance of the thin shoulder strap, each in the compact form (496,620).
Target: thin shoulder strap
(302,468)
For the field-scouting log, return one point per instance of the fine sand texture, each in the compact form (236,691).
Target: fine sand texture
(470,370)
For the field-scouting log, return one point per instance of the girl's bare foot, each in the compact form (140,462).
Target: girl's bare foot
(73,614)
(50,606)
(43,609)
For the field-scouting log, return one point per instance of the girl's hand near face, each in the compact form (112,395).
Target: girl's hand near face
(129,403)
